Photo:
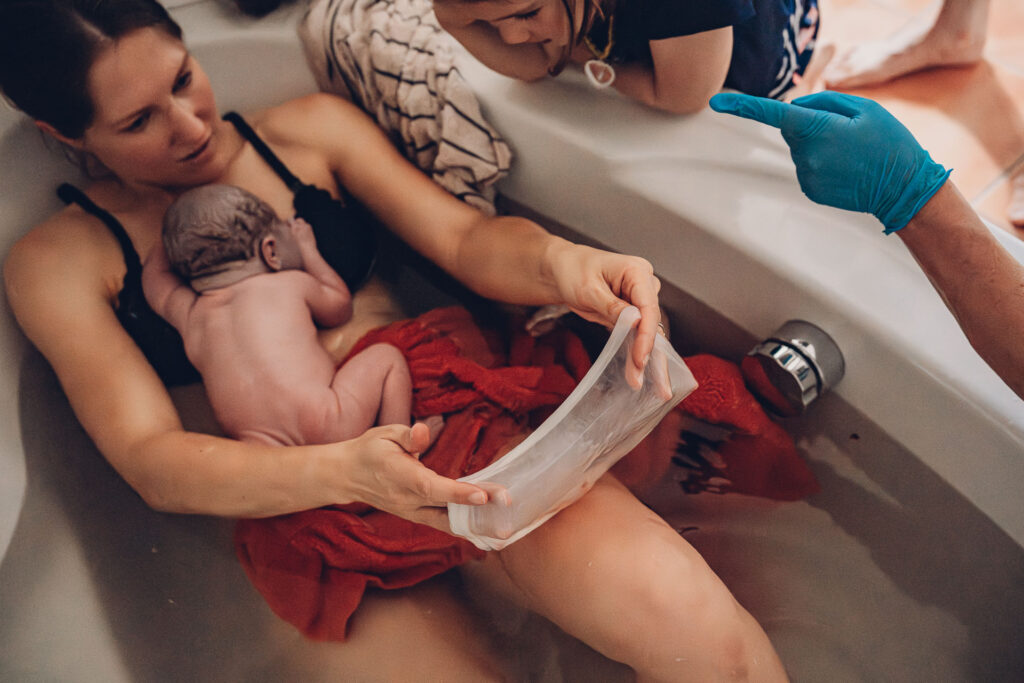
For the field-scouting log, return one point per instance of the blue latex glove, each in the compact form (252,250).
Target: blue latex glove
(849,152)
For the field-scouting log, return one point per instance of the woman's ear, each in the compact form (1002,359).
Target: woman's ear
(54,133)
(268,252)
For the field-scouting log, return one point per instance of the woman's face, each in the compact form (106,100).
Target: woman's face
(517,21)
(155,117)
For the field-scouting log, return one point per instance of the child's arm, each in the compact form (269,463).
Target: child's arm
(165,292)
(687,71)
(329,300)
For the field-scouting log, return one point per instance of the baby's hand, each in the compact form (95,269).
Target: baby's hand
(302,231)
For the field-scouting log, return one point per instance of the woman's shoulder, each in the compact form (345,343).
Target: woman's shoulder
(302,117)
(69,249)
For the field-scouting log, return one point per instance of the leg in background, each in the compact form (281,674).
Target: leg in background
(951,32)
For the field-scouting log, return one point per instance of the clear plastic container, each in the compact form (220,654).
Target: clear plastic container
(601,420)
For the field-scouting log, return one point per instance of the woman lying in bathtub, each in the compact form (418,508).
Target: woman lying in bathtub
(124,90)
(668,54)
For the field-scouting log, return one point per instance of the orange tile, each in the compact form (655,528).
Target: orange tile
(970,118)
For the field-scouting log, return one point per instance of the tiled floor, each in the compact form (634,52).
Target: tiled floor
(970,118)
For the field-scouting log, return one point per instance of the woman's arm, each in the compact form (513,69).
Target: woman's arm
(982,284)
(505,258)
(687,71)
(55,281)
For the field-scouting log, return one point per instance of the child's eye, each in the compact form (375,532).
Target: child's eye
(183,81)
(527,15)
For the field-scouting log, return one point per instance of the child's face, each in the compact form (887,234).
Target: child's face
(543,22)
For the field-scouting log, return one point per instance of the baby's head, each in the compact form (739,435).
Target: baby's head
(213,225)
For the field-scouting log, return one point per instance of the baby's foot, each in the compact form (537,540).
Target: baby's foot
(921,44)
(1016,211)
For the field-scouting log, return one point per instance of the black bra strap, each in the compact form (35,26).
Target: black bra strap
(246,131)
(69,194)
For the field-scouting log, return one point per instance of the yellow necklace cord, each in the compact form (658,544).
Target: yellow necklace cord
(601,54)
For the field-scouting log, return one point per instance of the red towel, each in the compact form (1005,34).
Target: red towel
(313,567)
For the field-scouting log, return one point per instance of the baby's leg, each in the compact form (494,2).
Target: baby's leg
(374,386)
(948,34)
(612,573)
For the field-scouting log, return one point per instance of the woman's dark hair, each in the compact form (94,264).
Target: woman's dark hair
(48,46)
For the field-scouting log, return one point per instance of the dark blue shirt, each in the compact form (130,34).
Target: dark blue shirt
(772,39)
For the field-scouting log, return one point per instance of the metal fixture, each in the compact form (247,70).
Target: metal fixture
(801,362)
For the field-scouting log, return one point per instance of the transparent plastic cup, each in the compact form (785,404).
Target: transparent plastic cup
(601,420)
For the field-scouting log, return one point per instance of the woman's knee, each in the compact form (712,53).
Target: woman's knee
(632,587)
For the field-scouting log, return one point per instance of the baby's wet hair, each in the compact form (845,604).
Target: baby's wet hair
(212,225)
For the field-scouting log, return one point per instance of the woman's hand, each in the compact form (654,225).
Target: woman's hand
(597,285)
(383,470)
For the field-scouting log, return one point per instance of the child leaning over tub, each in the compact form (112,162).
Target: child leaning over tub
(256,284)
(668,54)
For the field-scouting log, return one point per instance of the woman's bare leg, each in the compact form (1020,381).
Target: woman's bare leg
(418,633)
(951,32)
(610,572)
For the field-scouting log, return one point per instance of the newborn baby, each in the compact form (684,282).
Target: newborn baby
(256,289)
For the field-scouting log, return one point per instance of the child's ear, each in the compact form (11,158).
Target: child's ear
(268,252)
(54,133)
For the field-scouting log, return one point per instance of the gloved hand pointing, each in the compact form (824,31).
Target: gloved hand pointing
(849,152)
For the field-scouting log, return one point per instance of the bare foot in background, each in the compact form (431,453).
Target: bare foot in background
(951,32)
(1016,211)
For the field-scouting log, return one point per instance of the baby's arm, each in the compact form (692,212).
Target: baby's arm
(687,71)
(166,293)
(329,300)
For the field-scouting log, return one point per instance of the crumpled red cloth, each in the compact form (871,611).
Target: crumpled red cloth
(313,567)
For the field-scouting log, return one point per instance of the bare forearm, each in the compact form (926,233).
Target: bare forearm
(187,472)
(981,283)
(640,83)
(508,259)
(686,72)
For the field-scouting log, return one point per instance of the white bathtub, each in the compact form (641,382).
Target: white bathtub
(908,566)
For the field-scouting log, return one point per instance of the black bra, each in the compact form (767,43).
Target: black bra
(345,235)
(344,230)
(157,338)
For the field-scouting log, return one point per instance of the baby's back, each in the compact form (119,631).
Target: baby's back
(255,344)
